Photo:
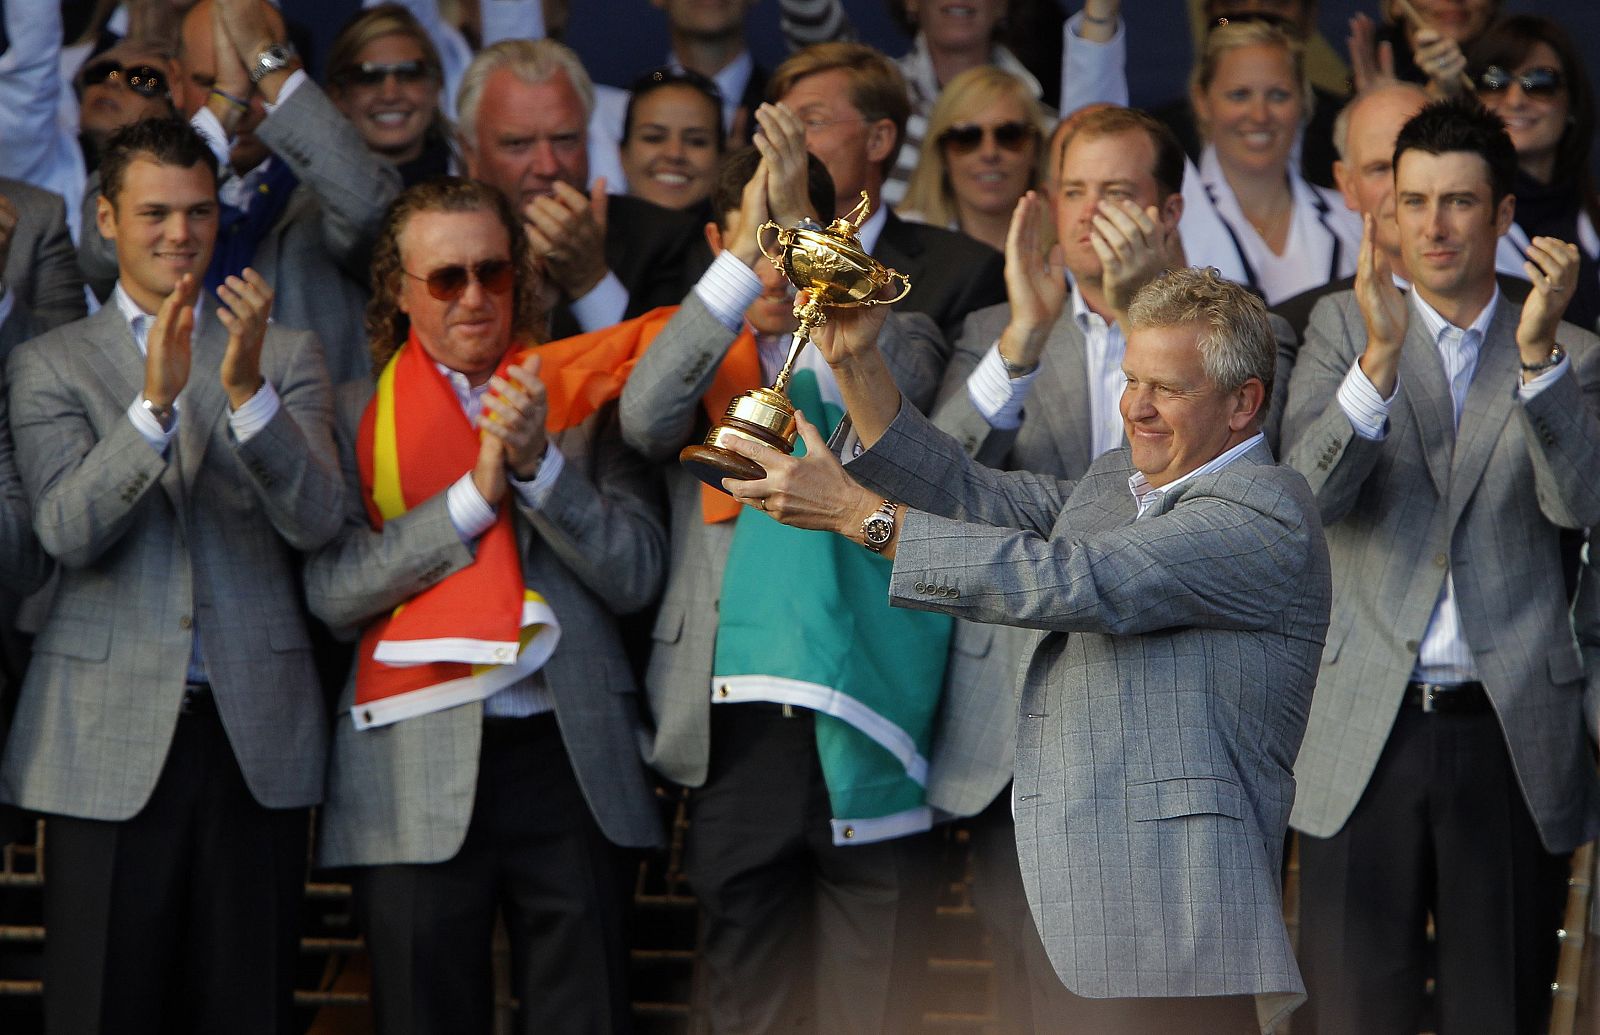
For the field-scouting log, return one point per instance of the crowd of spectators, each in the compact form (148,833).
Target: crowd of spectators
(215,267)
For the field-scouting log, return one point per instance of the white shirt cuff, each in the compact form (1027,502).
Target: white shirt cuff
(256,413)
(206,123)
(603,306)
(996,395)
(536,490)
(470,513)
(727,289)
(149,428)
(1367,411)
(296,79)
(1525,389)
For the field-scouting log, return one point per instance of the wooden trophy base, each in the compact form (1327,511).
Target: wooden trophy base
(711,461)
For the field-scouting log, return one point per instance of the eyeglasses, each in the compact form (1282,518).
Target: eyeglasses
(144,80)
(1536,82)
(1010,136)
(447,283)
(373,73)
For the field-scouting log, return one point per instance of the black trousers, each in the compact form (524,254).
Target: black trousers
(1442,829)
(184,918)
(798,933)
(532,853)
(1002,906)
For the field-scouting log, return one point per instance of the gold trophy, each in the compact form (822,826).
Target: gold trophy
(831,265)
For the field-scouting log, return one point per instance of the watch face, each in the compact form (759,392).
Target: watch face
(878,529)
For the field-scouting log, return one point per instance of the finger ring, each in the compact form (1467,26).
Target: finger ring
(761,503)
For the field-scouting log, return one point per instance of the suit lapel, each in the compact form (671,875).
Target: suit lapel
(203,397)
(895,247)
(1066,386)
(1427,395)
(1490,400)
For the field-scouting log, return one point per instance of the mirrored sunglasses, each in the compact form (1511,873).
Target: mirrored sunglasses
(1536,82)
(144,80)
(1011,136)
(373,73)
(448,282)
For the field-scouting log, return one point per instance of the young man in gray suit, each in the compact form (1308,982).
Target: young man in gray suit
(508,801)
(1450,436)
(1034,385)
(1181,594)
(178,457)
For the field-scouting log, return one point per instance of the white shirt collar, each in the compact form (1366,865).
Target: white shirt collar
(1146,495)
(139,322)
(731,80)
(1436,324)
(868,234)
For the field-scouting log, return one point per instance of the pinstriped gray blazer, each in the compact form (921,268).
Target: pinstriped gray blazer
(403,793)
(661,413)
(149,547)
(1163,699)
(1484,502)
(974,744)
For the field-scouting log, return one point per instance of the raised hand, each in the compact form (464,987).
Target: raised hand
(514,411)
(812,491)
(1440,57)
(1132,247)
(166,362)
(849,335)
(1383,309)
(1035,287)
(246,304)
(568,233)
(1371,62)
(1552,266)
(782,143)
(742,239)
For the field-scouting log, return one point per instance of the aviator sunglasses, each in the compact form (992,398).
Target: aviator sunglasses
(1536,82)
(448,282)
(144,80)
(373,73)
(1012,136)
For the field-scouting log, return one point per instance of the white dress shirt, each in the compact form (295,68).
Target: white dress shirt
(1443,656)
(1146,495)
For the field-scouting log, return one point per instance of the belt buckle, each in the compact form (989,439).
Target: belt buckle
(1427,696)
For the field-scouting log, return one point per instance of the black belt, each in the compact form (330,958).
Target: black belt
(197,700)
(782,711)
(1447,697)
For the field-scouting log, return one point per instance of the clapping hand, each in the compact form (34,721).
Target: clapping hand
(167,346)
(1552,266)
(1132,247)
(568,233)
(246,304)
(1383,308)
(1035,287)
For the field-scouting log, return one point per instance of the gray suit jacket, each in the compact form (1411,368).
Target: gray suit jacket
(403,793)
(974,745)
(1162,702)
(41,267)
(1486,503)
(661,413)
(153,547)
(317,255)
(23,567)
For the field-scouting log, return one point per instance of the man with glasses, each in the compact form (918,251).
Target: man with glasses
(492,767)
(852,101)
(129,82)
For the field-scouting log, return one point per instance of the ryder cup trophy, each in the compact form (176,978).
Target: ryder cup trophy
(831,265)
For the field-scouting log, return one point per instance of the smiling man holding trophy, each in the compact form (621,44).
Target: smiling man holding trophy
(784,689)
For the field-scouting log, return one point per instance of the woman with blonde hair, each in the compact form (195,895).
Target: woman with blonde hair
(1247,210)
(385,75)
(983,151)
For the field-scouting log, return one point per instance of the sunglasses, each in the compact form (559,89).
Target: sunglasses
(1536,82)
(448,282)
(373,73)
(1010,136)
(144,80)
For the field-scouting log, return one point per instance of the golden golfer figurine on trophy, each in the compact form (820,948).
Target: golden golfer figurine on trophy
(831,265)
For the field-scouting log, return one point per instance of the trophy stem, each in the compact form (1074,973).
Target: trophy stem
(810,315)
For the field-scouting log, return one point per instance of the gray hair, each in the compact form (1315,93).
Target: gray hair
(1341,123)
(532,61)
(1238,343)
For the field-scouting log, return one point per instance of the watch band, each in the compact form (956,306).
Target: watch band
(164,415)
(274,58)
(878,528)
(1557,354)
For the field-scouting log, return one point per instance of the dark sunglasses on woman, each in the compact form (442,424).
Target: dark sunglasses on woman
(1535,82)
(373,73)
(447,283)
(144,80)
(1010,136)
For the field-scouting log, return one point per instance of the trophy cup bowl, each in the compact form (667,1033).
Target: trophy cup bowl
(830,264)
